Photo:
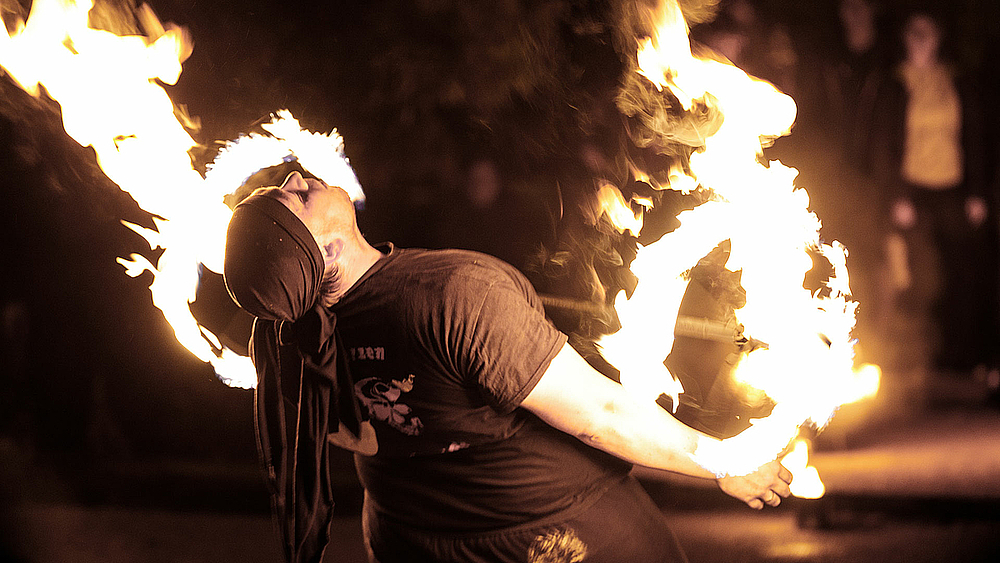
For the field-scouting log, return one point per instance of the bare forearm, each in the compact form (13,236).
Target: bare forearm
(601,413)
(647,435)
(574,398)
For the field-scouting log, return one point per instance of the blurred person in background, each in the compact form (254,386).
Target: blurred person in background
(939,255)
(855,82)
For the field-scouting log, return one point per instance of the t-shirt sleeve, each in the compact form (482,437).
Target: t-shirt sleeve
(510,344)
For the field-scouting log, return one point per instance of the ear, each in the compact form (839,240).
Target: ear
(332,250)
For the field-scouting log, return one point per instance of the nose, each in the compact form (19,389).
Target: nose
(294,183)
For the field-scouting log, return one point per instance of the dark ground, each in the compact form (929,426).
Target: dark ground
(922,486)
(92,534)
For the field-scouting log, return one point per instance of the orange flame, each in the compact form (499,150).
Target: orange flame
(807,369)
(111,100)
(107,87)
(611,203)
(807,483)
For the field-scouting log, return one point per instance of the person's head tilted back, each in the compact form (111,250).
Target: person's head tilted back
(274,267)
(316,217)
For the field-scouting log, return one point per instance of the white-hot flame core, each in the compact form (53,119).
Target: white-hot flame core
(807,482)
(108,89)
(322,154)
(807,368)
(611,202)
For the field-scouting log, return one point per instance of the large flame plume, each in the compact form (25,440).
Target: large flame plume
(109,89)
(807,369)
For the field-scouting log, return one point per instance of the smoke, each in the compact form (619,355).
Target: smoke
(631,19)
(644,133)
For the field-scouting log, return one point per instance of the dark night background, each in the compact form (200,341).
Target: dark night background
(469,124)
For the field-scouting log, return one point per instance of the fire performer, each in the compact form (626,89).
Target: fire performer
(479,433)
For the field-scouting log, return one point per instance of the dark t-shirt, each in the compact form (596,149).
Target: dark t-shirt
(443,346)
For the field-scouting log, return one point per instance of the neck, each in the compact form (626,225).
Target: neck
(358,258)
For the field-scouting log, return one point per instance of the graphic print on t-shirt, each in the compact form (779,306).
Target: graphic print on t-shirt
(382,400)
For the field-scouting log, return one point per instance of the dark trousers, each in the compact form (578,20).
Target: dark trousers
(952,279)
(623,526)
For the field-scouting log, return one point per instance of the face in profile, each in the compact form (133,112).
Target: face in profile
(322,209)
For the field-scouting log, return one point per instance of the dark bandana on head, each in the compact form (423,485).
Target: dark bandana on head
(273,270)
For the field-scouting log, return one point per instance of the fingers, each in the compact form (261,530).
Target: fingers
(784,474)
(769,498)
(782,489)
(764,487)
(783,478)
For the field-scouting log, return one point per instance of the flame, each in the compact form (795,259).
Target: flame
(109,89)
(807,483)
(807,368)
(611,202)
